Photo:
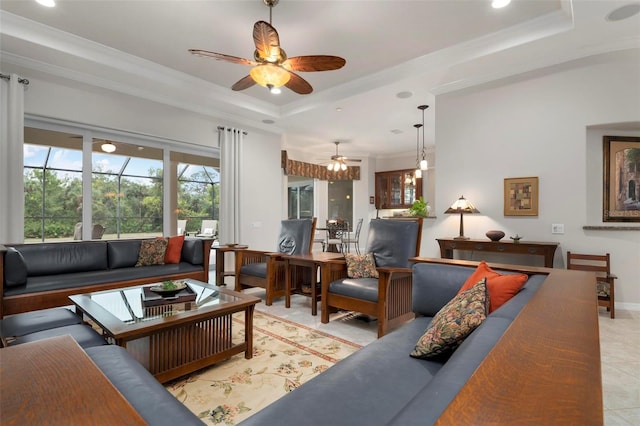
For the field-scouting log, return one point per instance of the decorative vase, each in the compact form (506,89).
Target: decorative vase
(495,235)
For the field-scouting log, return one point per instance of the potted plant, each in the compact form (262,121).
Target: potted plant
(419,208)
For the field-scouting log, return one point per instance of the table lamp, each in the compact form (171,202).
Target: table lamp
(462,206)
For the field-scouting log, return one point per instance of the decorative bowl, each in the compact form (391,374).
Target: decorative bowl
(495,235)
(178,286)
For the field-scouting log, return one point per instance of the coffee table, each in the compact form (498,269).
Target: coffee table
(172,340)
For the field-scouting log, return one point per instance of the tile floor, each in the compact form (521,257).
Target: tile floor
(619,348)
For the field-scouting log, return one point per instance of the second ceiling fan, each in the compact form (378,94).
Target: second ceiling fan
(271,66)
(339,162)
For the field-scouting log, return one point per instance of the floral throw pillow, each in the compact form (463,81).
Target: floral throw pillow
(361,265)
(454,322)
(152,252)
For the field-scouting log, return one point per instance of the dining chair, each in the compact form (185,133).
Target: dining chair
(265,269)
(601,265)
(353,238)
(388,298)
(336,232)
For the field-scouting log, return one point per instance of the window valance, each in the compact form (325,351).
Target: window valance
(300,168)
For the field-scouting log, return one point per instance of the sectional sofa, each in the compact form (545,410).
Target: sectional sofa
(44,275)
(535,360)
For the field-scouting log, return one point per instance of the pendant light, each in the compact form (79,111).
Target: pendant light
(418,172)
(424,165)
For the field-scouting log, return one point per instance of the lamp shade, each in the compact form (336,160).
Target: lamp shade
(462,205)
(269,75)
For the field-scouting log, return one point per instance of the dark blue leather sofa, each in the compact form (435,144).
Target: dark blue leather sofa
(44,275)
(382,385)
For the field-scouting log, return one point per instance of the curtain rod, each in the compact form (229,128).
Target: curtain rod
(20,80)
(244,132)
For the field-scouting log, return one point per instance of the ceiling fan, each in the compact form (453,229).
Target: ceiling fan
(339,162)
(271,66)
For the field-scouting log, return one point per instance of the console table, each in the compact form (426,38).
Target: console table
(531,248)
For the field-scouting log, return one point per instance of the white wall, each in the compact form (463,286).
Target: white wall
(538,125)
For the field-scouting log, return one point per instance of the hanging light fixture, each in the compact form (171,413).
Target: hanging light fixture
(424,165)
(108,147)
(418,172)
(270,76)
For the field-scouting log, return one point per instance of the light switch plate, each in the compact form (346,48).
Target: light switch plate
(557,228)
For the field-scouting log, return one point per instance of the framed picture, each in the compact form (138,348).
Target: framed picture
(621,181)
(521,196)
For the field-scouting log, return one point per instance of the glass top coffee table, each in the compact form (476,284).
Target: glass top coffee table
(172,337)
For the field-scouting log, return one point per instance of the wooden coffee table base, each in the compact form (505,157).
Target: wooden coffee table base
(174,352)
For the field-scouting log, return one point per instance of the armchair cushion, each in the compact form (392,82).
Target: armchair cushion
(360,288)
(454,322)
(255,269)
(393,242)
(361,265)
(295,236)
(501,288)
(16,275)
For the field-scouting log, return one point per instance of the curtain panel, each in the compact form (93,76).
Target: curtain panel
(231,151)
(12,158)
(300,168)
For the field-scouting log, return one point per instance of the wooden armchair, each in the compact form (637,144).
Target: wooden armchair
(388,298)
(255,268)
(601,265)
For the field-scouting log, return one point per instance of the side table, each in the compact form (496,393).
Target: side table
(310,260)
(220,255)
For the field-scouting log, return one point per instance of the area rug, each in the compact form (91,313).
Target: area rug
(285,355)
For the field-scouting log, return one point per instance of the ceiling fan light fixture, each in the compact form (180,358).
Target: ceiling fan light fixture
(274,90)
(498,4)
(270,76)
(108,147)
(343,166)
(46,3)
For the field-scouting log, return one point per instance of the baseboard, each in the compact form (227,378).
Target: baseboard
(628,306)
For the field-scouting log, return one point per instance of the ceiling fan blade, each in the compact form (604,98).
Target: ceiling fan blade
(243,83)
(314,63)
(355,160)
(267,42)
(223,57)
(299,84)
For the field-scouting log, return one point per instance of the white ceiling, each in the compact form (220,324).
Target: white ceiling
(423,47)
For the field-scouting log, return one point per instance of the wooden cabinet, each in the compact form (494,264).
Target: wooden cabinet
(397,189)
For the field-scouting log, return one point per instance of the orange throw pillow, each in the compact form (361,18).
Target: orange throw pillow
(174,249)
(501,288)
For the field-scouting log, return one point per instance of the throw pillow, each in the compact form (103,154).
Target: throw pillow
(152,252)
(361,265)
(174,249)
(453,323)
(501,288)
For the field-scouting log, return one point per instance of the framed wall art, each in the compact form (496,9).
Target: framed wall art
(521,196)
(621,180)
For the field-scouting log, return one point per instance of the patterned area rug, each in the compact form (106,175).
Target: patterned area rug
(285,355)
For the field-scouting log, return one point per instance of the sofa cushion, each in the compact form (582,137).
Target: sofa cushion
(15,270)
(360,265)
(34,321)
(501,287)
(434,285)
(192,251)
(149,398)
(152,252)
(455,321)
(174,249)
(123,253)
(61,258)
(83,334)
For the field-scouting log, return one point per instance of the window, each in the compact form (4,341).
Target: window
(198,194)
(300,197)
(340,201)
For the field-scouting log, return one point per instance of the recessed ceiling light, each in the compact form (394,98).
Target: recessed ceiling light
(404,95)
(47,3)
(623,12)
(497,4)
(268,121)
(396,131)
(339,109)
